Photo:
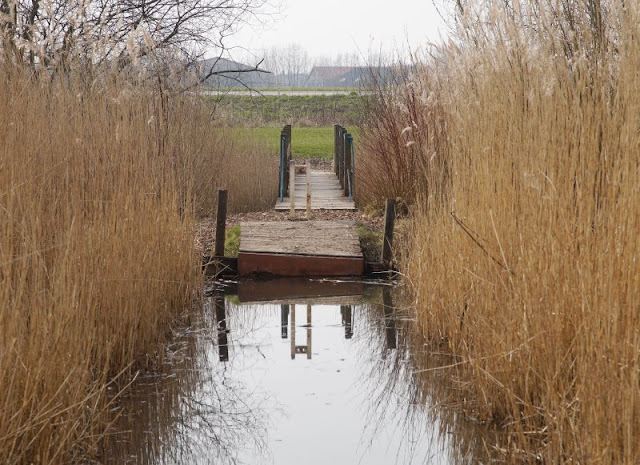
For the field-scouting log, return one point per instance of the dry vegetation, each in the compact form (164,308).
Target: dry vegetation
(524,251)
(100,188)
(232,159)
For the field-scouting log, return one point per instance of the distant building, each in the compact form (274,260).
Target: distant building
(228,74)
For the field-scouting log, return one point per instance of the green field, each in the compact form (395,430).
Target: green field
(298,110)
(306,142)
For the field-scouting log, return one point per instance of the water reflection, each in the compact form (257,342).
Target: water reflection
(347,320)
(221,325)
(187,413)
(318,381)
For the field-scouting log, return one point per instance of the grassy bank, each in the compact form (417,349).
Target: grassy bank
(523,252)
(278,110)
(97,258)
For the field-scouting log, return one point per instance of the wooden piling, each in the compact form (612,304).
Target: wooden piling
(221,223)
(387,243)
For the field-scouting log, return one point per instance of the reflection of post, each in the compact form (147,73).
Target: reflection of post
(347,320)
(389,321)
(221,319)
(308,331)
(293,331)
(284,321)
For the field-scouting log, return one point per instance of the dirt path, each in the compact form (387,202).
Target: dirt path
(206,230)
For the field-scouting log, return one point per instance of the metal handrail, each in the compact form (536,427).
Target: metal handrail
(352,166)
(283,143)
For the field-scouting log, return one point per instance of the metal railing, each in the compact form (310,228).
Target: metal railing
(285,159)
(344,160)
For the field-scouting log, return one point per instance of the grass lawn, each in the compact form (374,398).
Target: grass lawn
(313,142)
(299,110)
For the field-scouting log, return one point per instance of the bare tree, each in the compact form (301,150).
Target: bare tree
(56,34)
(289,64)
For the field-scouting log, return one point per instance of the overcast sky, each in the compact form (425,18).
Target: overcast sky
(363,26)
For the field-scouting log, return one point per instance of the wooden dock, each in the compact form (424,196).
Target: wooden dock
(326,193)
(300,248)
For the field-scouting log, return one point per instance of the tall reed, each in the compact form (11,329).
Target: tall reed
(401,125)
(527,266)
(97,256)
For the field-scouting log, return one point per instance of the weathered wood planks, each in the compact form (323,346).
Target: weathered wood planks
(300,248)
(326,193)
(330,238)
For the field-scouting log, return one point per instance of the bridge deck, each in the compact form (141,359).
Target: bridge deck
(300,248)
(326,193)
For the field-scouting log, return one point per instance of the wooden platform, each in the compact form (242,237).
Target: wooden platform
(300,248)
(326,193)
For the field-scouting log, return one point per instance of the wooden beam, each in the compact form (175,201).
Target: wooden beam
(221,223)
(298,265)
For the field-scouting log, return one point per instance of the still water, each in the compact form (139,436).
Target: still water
(305,380)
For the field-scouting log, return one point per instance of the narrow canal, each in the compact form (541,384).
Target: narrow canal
(313,380)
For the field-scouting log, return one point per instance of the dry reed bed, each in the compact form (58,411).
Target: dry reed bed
(97,260)
(525,260)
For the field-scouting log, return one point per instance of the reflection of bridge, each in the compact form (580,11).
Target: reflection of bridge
(289,310)
(288,322)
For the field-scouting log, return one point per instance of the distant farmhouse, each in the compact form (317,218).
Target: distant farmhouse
(231,74)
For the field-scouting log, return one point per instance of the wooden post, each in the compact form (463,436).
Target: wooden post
(387,242)
(308,170)
(292,188)
(221,223)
